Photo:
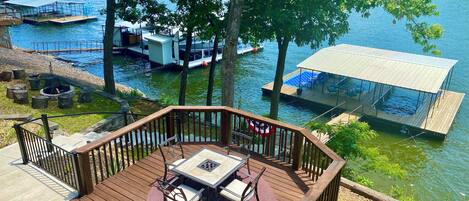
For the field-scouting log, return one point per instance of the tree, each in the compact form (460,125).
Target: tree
(230,51)
(190,16)
(215,29)
(109,82)
(308,22)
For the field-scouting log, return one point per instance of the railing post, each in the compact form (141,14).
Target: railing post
(170,124)
(126,120)
(297,150)
(45,124)
(84,173)
(226,131)
(21,143)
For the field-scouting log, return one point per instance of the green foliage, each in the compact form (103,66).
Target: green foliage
(166,100)
(365,181)
(347,140)
(153,12)
(401,193)
(313,22)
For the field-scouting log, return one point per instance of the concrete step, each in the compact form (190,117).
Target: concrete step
(16,117)
(77,140)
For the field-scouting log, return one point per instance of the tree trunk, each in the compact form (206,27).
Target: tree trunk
(230,52)
(109,83)
(211,75)
(278,81)
(185,68)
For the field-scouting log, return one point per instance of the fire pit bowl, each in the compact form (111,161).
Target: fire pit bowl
(54,92)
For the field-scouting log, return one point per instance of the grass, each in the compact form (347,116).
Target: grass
(142,106)
(68,124)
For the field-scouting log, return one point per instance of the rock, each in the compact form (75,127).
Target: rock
(85,96)
(19,74)
(6,76)
(40,102)
(65,101)
(35,83)
(20,96)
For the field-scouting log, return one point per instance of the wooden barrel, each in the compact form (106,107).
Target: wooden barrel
(34,83)
(40,102)
(6,76)
(65,101)
(20,96)
(85,96)
(19,74)
(12,88)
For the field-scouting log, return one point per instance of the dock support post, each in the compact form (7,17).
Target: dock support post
(418,102)
(428,112)
(360,93)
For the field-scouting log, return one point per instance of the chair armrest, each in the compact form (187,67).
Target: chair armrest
(229,191)
(173,180)
(199,194)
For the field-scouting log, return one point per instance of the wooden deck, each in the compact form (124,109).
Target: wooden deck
(445,109)
(59,20)
(135,182)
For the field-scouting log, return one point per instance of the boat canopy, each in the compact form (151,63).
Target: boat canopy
(405,70)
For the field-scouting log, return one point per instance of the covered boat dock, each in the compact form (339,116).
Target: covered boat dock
(407,89)
(52,11)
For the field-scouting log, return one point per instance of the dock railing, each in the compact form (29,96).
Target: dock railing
(289,145)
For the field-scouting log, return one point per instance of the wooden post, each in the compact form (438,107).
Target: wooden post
(170,125)
(84,176)
(226,131)
(20,137)
(297,151)
(45,124)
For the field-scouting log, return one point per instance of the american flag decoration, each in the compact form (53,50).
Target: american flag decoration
(260,128)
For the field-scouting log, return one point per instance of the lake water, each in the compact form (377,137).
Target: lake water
(438,170)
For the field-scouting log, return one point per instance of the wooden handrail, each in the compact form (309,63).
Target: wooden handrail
(324,180)
(97,143)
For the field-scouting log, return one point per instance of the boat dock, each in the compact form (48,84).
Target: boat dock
(435,109)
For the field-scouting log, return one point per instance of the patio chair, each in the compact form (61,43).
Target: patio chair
(172,192)
(241,145)
(172,153)
(240,191)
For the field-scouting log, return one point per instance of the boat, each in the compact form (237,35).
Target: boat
(166,49)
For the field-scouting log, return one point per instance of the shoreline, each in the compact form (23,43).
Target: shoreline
(39,63)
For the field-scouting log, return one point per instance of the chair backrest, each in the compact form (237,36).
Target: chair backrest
(170,191)
(171,150)
(252,185)
(241,143)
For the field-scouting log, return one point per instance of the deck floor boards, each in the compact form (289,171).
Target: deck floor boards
(134,183)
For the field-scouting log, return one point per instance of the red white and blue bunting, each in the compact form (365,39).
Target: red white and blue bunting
(260,128)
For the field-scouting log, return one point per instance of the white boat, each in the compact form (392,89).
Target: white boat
(167,49)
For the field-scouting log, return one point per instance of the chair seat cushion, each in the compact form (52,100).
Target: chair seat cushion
(237,187)
(191,194)
(176,163)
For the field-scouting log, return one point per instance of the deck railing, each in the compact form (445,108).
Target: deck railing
(291,145)
(51,158)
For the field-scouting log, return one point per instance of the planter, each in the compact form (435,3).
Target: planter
(11,89)
(20,96)
(6,76)
(19,74)
(35,83)
(65,101)
(40,102)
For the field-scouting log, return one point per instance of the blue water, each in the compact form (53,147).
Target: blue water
(438,170)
